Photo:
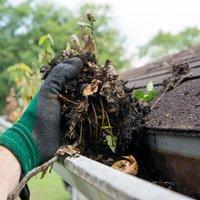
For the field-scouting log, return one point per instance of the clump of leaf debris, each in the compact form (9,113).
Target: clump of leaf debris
(99,113)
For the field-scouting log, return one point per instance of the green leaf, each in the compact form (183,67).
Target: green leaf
(83,25)
(139,94)
(150,95)
(111,142)
(106,127)
(149,86)
(46,40)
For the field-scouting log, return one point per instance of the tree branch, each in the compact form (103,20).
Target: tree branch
(29,175)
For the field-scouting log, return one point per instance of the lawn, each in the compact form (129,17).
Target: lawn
(50,187)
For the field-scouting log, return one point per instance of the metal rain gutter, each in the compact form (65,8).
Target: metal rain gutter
(176,154)
(98,181)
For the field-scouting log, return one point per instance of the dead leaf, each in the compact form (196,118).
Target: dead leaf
(112,90)
(92,88)
(106,90)
(127,165)
(96,68)
(75,44)
(111,142)
(119,90)
(89,44)
(82,106)
(110,69)
(67,150)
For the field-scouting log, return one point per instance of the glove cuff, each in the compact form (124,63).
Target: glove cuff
(22,144)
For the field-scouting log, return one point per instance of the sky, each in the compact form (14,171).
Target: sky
(140,20)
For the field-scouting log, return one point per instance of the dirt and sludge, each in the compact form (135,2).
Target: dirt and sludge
(101,117)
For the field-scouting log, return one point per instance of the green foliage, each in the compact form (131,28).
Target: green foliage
(22,25)
(83,25)
(46,53)
(24,80)
(46,41)
(164,43)
(111,142)
(149,87)
(147,95)
(111,139)
(17,72)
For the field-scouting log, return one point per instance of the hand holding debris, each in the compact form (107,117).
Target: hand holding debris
(84,106)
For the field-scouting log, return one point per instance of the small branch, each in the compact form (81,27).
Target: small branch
(108,120)
(103,112)
(14,195)
(81,132)
(95,113)
(90,128)
(96,120)
(159,98)
(66,99)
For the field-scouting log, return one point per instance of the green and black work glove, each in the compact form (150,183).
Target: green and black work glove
(36,136)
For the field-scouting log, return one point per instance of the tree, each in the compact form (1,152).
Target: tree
(164,43)
(23,24)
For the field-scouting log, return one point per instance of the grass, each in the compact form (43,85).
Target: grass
(51,187)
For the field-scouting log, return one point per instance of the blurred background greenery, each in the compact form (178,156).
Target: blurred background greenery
(23,23)
(50,187)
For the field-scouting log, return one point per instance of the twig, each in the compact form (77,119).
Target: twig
(103,112)
(159,98)
(81,132)
(107,117)
(108,120)
(89,122)
(95,113)
(14,195)
(66,99)
(96,119)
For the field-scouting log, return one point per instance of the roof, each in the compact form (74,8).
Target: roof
(160,70)
(178,108)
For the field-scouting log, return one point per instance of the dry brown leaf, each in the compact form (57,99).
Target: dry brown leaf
(119,90)
(67,150)
(127,165)
(96,68)
(107,91)
(72,128)
(112,90)
(89,44)
(82,106)
(92,88)
(75,44)
(110,69)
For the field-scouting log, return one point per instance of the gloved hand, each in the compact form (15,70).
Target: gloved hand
(36,136)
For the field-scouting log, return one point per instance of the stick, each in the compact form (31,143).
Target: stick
(66,99)
(81,132)
(29,175)
(159,98)
(96,120)
(103,116)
